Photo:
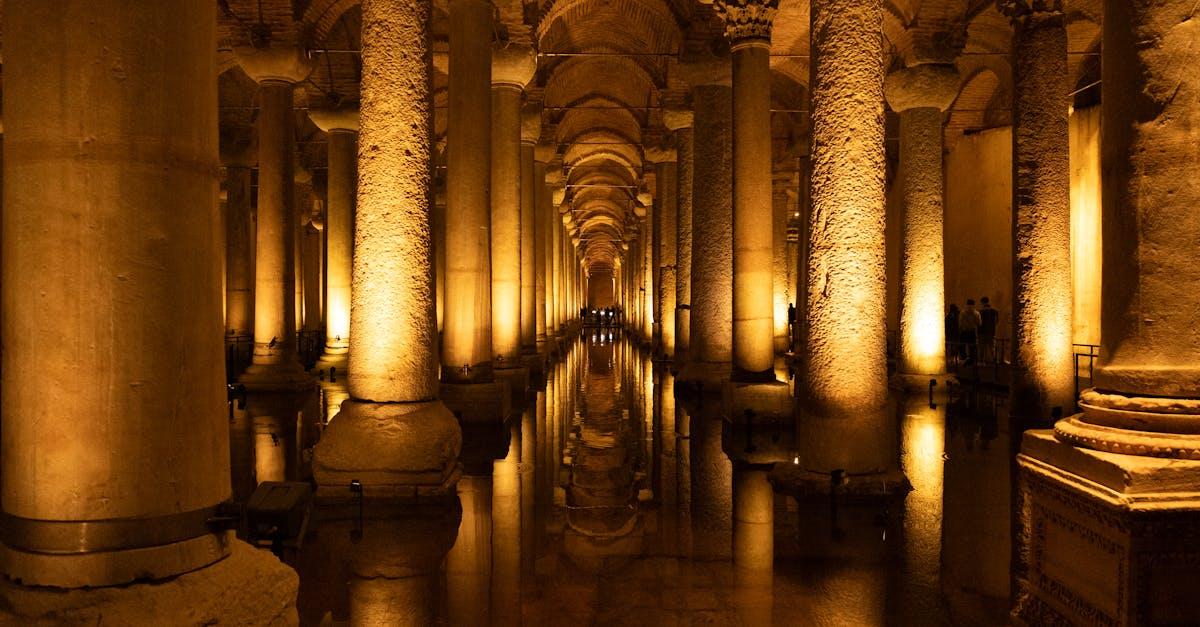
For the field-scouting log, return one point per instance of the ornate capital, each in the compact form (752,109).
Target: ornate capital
(1022,10)
(747,20)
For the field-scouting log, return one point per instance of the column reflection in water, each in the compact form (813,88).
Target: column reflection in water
(977,501)
(666,487)
(469,563)
(712,486)
(922,432)
(753,543)
(506,532)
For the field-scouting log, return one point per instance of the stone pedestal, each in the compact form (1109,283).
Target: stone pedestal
(1107,538)
(768,402)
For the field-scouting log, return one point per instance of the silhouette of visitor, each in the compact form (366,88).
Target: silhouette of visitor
(988,317)
(968,327)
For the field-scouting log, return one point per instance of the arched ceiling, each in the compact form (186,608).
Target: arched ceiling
(607,68)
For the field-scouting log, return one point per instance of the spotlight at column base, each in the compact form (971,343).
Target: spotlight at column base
(1122,524)
(250,587)
(394,450)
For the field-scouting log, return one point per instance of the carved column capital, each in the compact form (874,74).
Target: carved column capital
(747,21)
(1021,11)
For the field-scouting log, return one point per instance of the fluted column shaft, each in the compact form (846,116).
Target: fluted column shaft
(649,322)
(113,377)
(1043,378)
(467,322)
(844,378)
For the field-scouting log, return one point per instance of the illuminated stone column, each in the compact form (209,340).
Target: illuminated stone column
(556,193)
(748,28)
(512,69)
(116,444)
(649,322)
(562,214)
(843,384)
(393,435)
(467,334)
(711,349)
(1114,489)
(1043,380)
(531,129)
(919,95)
(439,257)
(276,364)
(239,237)
(679,121)
(543,154)
(666,174)
(341,129)
(310,257)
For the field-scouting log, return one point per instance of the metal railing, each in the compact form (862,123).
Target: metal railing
(1085,362)
(239,351)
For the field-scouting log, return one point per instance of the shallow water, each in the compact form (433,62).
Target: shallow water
(610,502)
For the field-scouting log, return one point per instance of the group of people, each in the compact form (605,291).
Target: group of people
(608,316)
(971,332)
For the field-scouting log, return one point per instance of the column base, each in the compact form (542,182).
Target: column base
(518,383)
(250,587)
(289,377)
(535,362)
(113,568)
(764,402)
(1109,538)
(478,402)
(704,376)
(341,361)
(395,451)
(913,383)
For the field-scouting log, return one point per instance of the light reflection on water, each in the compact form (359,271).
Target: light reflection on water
(607,500)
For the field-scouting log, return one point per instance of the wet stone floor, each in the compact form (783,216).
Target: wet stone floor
(607,501)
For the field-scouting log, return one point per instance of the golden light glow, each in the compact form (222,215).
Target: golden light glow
(1085,224)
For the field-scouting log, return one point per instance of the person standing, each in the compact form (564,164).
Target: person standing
(968,328)
(953,348)
(989,318)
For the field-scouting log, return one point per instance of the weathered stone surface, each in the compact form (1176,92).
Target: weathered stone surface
(250,587)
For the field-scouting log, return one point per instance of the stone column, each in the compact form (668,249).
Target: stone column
(556,194)
(748,28)
(556,272)
(711,349)
(1043,380)
(512,69)
(439,257)
(276,364)
(393,435)
(919,95)
(310,257)
(666,175)
(1114,489)
(649,322)
(543,154)
(531,129)
(239,160)
(116,444)
(341,129)
(843,381)
(680,123)
(467,336)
